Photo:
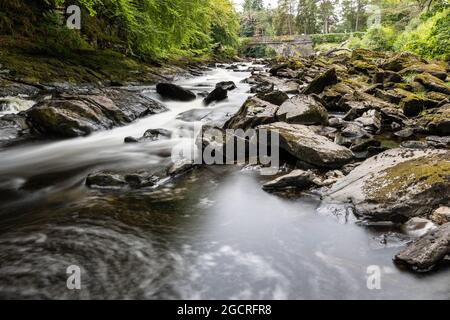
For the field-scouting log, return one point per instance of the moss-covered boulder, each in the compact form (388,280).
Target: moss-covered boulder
(412,105)
(328,78)
(303,109)
(397,184)
(436,121)
(435,70)
(401,61)
(432,83)
(274,97)
(364,67)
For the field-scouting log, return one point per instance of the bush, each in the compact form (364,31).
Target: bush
(379,38)
(333,37)
(427,36)
(259,51)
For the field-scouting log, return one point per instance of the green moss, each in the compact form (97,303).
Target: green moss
(418,174)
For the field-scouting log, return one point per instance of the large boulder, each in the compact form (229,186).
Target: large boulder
(174,92)
(274,97)
(432,83)
(426,252)
(13,129)
(226,85)
(298,179)
(309,147)
(303,109)
(121,180)
(328,78)
(79,115)
(218,94)
(397,184)
(436,121)
(253,113)
(413,105)
(435,70)
(401,61)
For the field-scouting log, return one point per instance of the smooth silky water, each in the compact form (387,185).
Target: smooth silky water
(211,234)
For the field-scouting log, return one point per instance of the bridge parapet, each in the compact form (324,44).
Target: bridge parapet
(287,46)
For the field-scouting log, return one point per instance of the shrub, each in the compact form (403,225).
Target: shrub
(379,38)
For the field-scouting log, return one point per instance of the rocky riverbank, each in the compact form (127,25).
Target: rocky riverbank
(368,130)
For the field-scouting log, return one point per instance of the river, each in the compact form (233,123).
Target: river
(211,234)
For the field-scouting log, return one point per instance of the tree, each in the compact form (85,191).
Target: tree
(285,17)
(306,20)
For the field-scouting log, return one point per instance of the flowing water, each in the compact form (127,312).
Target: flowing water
(211,234)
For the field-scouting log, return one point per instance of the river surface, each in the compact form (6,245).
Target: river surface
(211,234)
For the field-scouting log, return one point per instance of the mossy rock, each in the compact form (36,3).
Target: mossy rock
(436,121)
(364,67)
(401,61)
(328,78)
(413,104)
(397,185)
(432,83)
(436,70)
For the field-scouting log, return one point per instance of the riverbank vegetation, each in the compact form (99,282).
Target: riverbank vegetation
(418,26)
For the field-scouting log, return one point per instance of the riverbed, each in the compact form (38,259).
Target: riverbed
(210,234)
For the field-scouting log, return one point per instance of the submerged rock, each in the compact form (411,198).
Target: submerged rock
(174,92)
(13,128)
(120,180)
(397,185)
(151,135)
(226,85)
(418,227)
(303,109)
(426,252)
(308,146)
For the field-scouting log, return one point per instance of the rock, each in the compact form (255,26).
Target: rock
(131,140)
(437,96)
(303,109)
(396,185)
(435,70)
(17,89)
(298,179)
(418,227)
(80,115)
(371,121)
(437,121)
(226,85)
(389,96)
(363,67)
(363,146)
(174,92)
(263,87)
(181,167)
(275,69)
(317,86)
(441,215)
(353,131)
(438,142)
(426,252)
(412,144)
(332,95)
(433,83)
(413,105)
(120,180)
(405,133)
(309,147)
(387,77)
(275,97)
(254,112)
(13,129)
(401,61)
(217,94)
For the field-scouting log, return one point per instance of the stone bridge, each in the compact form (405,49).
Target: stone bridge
(286,46)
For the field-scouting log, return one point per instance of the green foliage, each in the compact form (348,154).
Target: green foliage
(379,38)
(334,37)
(427,36)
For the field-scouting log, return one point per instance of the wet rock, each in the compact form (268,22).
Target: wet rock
(275,97)
(277,68)
(298,179)
(364,146)
(317,86)
(353,131)
(264,87)
(17,89)
(426,252)
(80,115)
(180,167)
(441,215)
(413,144)
(433,83)
(438,142)
(254,112)
(120,180)
(13,129)
(418,227)
(371,121)
(397,185)
(436,121)
(309,147)
(303,109)
(218,94)
(226,85)
(174,92)
(405,133)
